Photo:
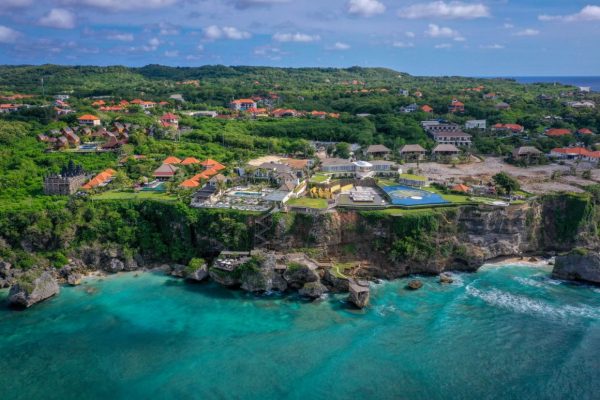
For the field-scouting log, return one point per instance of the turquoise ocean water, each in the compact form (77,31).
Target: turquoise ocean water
(502,333)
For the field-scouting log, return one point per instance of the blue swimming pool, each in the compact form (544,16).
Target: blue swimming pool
(408,196)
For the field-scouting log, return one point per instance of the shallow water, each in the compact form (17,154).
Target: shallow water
(508,332)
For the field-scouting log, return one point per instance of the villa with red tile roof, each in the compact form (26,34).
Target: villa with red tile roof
(515,128)
(212,164)
(585,131)
(190,161)
(242,104)
(169,120)
(557,132)
(456,107)
(172,160)
(102,179)
(89,119)
(426,109)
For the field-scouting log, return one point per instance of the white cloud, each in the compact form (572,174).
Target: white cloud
(340,46)
(119,5)
(441,9)
(8,35)
(152,45)
(492,46)
(58,18)
(528,32)
(172,53)
(403,45)
(295,37)
(270,52)
(437,31)
(166,28)
(410,34)
(215,32)
(508,26)
(443,46)
(365,8)
(122,37)
(587,13)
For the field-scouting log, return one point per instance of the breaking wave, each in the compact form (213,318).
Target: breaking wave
(526,305)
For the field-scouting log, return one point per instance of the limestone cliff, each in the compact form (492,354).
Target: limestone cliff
(430,242)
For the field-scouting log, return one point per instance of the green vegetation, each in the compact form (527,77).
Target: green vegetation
(194,265)
(40,231)
(308,202)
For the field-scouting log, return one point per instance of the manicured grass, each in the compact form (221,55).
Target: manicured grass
(116,195)
(338,269)
(319,178)
(413,177)
(386,182)
(308,202)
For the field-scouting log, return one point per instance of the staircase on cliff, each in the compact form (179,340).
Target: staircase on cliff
(262,226)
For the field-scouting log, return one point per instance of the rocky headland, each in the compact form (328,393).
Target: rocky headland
(342,251)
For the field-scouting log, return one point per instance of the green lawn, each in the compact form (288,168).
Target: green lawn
(308,202)
(319,178)
(117,195)
(338,269)
(413,177)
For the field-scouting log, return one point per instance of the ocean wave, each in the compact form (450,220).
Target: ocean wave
(526,305)
(529,282)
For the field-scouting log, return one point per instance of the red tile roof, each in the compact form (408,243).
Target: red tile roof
(585,131)
(99,179)
(558,132)
(88,117)
(172,160)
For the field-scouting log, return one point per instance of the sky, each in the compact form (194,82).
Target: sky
(438,37)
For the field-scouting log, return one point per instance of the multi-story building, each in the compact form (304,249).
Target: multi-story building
(70,179)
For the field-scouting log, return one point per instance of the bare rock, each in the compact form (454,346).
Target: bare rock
(313,290)
(198,275)
(415,284)
(446,279)
(31,289)
(115,265)
(579,265)
(297,275)
(360,293)
(74,279)
(178,270)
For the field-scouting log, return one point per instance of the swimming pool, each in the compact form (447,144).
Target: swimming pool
(408,196)
(247,194)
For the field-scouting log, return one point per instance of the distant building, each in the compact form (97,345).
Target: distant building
(514,128)
(403,92)
(456,138)
(378,151)
(502,106)
(526,153)
(427,109)
(169,120)
(409,109)
(445,150)
(412,152)
(476,124)
(456,106)
(66,183)
(242,104)
(165,172)
(90,120)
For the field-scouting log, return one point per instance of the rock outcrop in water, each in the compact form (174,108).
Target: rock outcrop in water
(579,265)
(359,293)
(31,289)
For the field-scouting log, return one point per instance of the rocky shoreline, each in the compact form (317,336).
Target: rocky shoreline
(257,272)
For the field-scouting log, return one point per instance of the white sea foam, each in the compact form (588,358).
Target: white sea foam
(526,305)
(529,282)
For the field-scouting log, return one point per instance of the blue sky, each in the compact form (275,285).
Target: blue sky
(438,37)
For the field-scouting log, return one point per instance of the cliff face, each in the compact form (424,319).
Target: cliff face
(434,241)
